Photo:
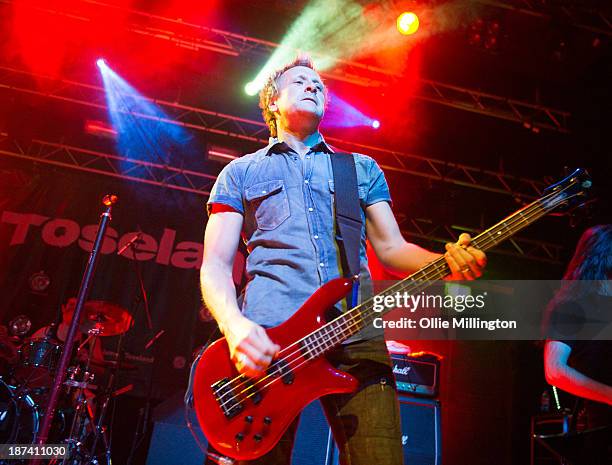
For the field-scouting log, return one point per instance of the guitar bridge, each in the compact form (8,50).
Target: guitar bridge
(226,398)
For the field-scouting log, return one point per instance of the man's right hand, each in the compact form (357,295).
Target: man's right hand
(250,347)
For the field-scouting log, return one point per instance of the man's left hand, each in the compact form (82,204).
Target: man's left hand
(466,262)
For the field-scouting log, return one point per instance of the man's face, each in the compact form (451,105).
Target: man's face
(300,95)
(68,310)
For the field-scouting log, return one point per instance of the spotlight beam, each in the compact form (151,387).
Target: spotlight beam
(341,114)
(143,129)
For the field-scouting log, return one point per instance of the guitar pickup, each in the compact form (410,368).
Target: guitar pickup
(253,393)
(282,370)
(226,398)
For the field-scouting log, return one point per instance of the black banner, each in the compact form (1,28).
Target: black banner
(48,222)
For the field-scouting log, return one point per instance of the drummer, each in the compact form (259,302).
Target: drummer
(97,358)
(84,348)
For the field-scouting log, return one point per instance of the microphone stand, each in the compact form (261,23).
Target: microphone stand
(105,218)
(100,430)
(132,245)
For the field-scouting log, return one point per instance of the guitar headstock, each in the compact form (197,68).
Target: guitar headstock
(570,192)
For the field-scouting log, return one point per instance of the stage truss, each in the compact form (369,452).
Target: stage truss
(196,37)
(169,177)
(579,16)
(223,124)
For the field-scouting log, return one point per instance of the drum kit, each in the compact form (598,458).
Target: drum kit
(29,366)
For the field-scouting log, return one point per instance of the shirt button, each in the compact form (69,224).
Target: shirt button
(310,209)
(305,181)
(264,192)
(308,157)
(316,236)
(321,264)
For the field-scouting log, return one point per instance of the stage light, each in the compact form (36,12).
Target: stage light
(407,23)
(142,130)
(340,113)
(100,129)
(252,88)
(101,63)
(221,154)
(326,31)
(375,124)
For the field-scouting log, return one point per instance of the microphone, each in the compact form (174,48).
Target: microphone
(130,243)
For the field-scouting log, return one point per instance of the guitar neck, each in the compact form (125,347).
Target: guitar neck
(354,320)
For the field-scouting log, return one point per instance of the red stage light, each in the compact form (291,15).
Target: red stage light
(110,199)
(100,129)
(407,23)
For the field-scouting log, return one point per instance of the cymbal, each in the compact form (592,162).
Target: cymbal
(105,317)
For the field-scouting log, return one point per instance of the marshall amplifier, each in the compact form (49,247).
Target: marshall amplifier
(417,373)
(421,430)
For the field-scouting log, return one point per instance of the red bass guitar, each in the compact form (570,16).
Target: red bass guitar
(243,418)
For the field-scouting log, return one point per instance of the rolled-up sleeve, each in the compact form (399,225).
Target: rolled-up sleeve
(378,190)
(228,189)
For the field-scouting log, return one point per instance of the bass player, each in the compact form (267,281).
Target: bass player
(280,200)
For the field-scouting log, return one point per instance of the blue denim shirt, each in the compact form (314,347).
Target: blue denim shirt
(287,204)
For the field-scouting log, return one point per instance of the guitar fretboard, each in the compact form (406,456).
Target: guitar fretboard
(354,320)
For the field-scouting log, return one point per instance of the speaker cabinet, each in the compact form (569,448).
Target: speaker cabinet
(421,434)
(421,430)
(313,441)
(172,442)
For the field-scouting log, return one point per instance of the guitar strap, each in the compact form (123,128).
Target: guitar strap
(348,216)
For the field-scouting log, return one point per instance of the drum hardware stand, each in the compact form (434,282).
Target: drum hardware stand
(78,430)
(143,417)
(111,394)
(108,201)
(99,429)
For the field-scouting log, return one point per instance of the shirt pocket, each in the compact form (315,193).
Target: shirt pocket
(270,203)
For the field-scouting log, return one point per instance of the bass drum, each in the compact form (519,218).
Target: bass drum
(19,416)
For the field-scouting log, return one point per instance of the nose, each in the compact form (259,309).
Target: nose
(311,87)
